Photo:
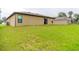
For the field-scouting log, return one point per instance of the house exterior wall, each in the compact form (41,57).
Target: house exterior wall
(60,22)
(30,20)
(50,21)
(11,20)
(27,20)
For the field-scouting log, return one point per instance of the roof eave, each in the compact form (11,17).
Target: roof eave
(30,15)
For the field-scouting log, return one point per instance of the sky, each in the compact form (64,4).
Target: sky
(44,11)
(46,7)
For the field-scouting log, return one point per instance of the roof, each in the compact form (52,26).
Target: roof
(62,18)
(30,14)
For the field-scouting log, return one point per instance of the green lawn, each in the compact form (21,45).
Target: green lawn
(46,37)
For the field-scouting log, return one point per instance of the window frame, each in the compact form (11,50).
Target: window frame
(20,20)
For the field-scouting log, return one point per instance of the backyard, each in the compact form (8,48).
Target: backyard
(44,38)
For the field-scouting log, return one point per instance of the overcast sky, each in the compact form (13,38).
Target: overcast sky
(45,11)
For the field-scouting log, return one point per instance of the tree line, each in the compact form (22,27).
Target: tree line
(74,16)
(3,20)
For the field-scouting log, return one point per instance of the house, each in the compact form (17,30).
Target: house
(28,18)
(62,20)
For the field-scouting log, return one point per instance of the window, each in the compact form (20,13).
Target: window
(20,19)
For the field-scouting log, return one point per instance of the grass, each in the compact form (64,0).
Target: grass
(46,37)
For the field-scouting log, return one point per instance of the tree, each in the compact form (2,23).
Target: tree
(4,19)
(62,14)
(1,21)
(76,17)
(70,14)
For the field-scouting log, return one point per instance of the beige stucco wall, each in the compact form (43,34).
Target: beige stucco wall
(30,20)
(50,21)
(59,22)
(11,20)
